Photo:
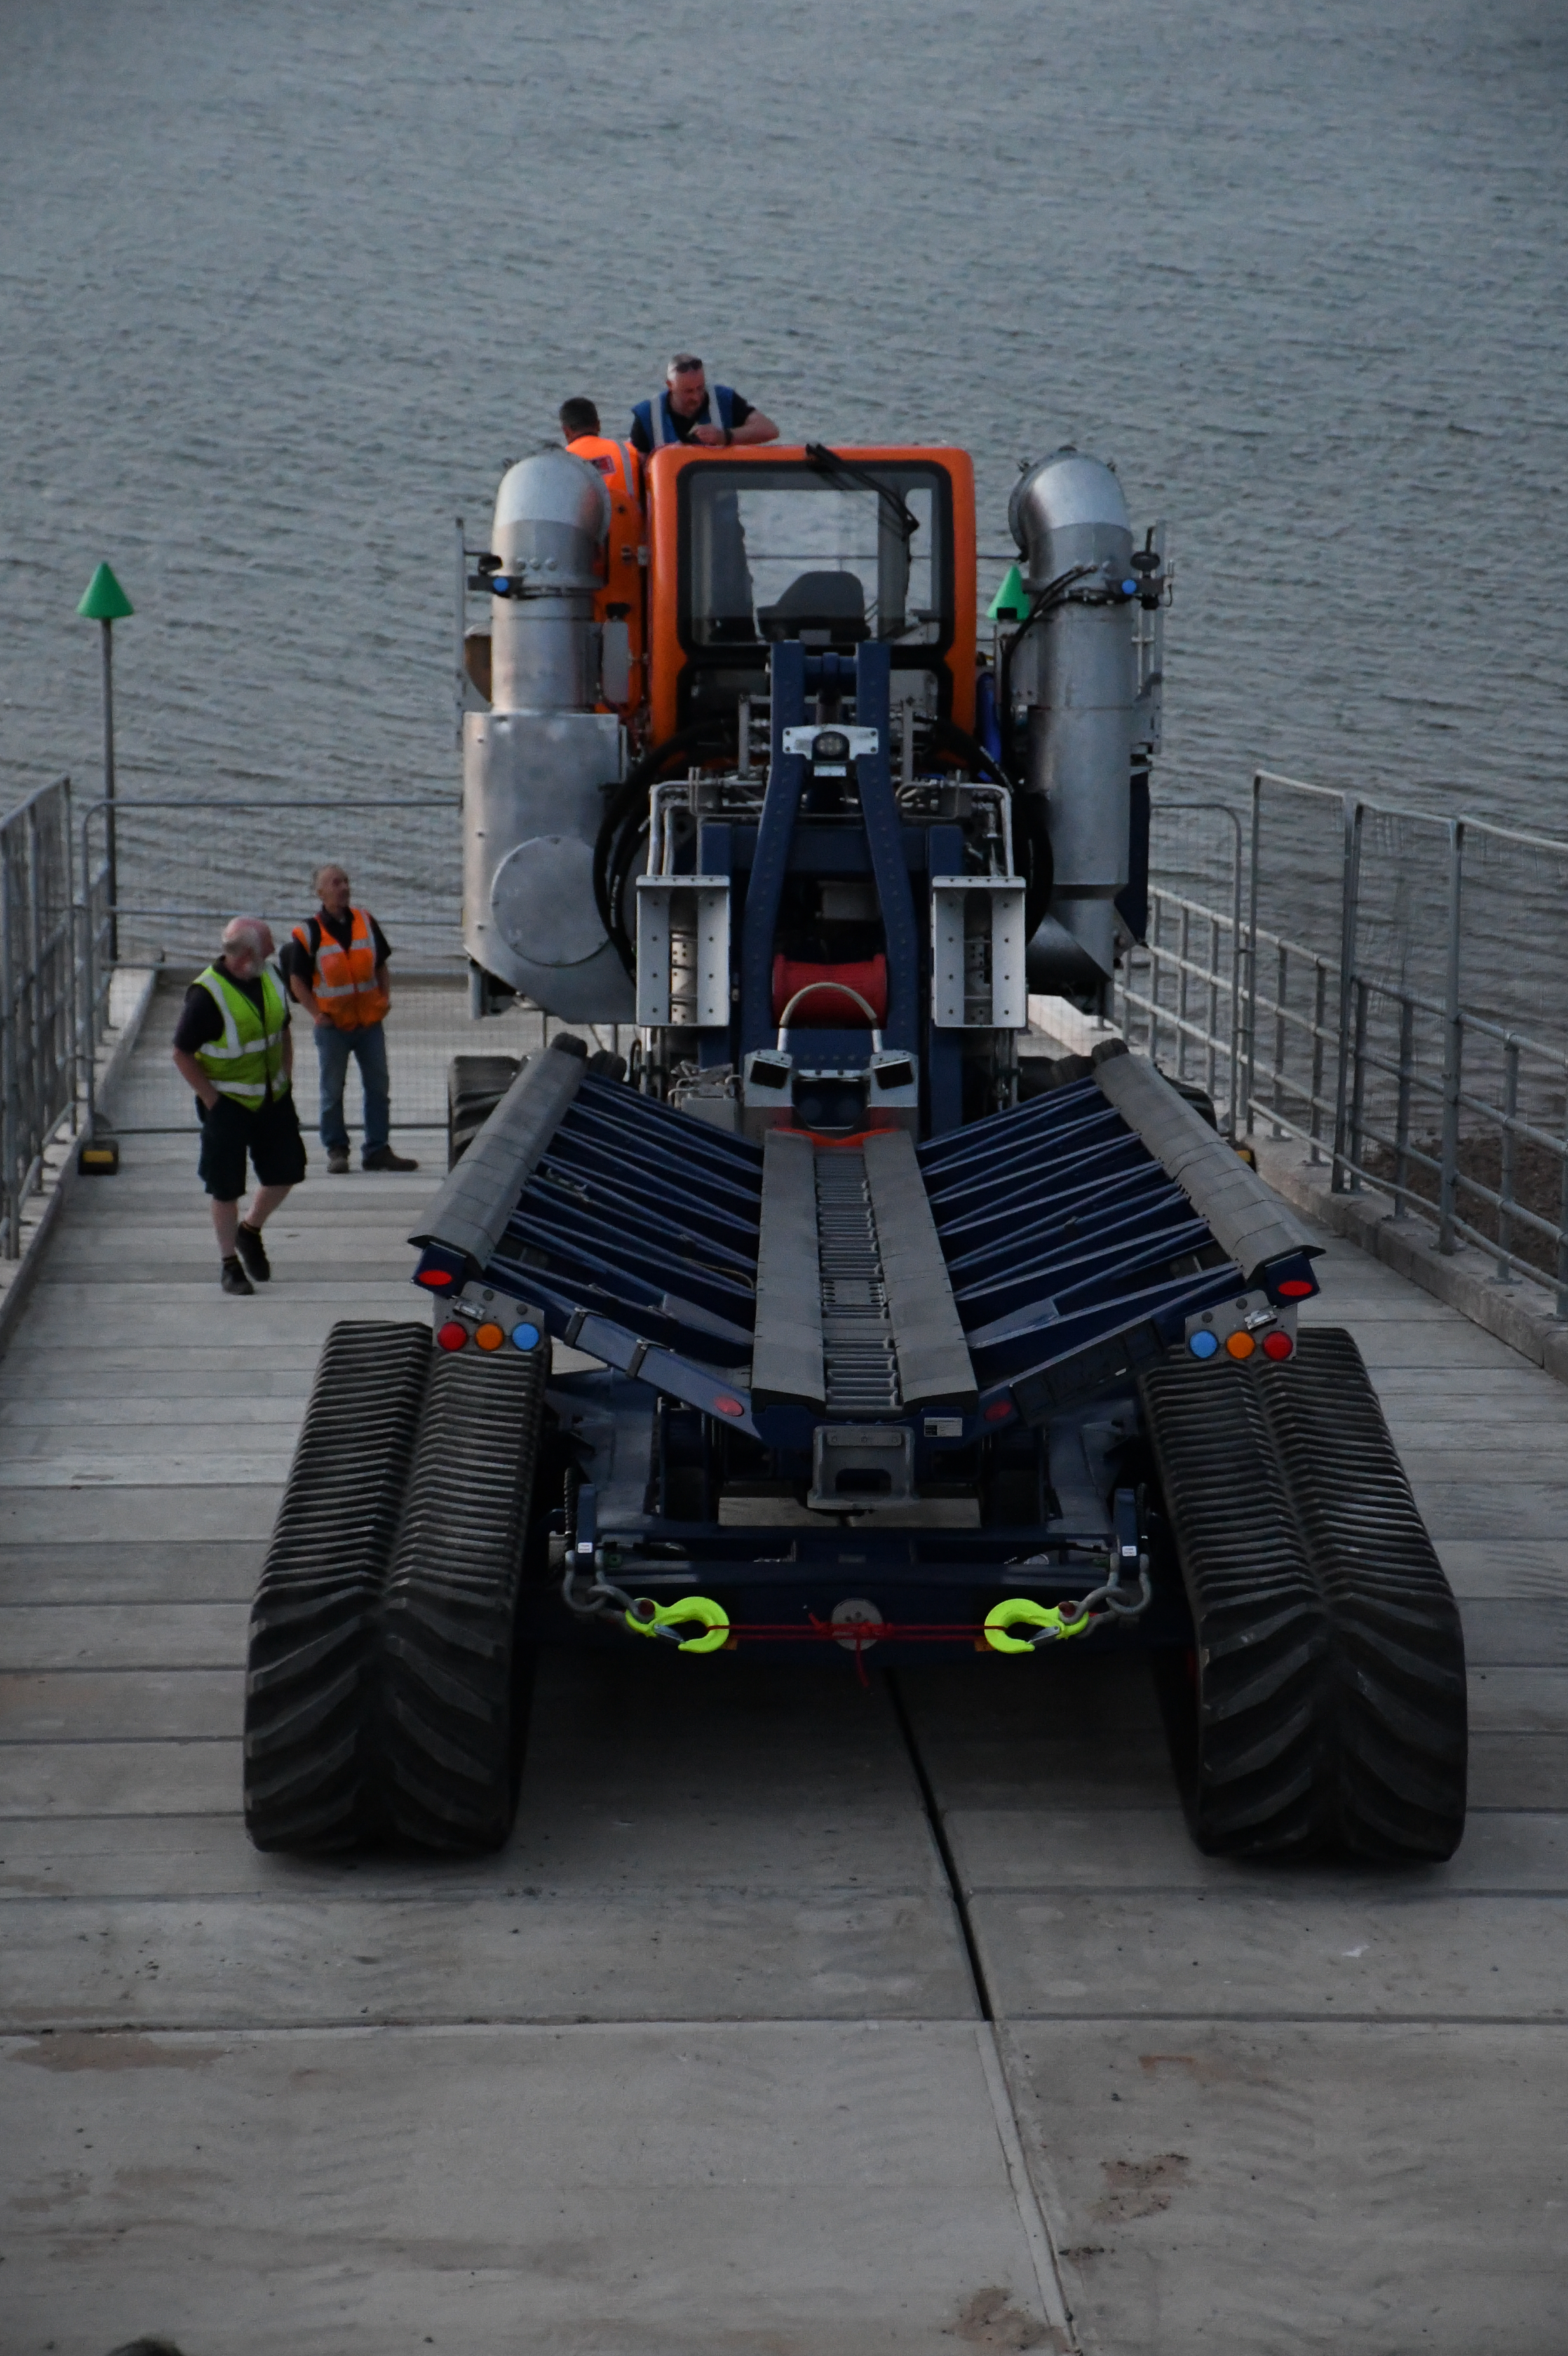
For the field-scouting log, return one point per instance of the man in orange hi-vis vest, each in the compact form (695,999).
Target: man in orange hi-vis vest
(336,965)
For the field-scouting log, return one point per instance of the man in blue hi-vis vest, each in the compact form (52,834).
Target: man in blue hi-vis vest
(687,412)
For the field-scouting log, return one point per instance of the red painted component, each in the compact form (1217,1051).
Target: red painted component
(451,1335)
(728,1406)
(1278,1345)
(436,1277)
(998,1410)
(1294,1288)
(828,1009)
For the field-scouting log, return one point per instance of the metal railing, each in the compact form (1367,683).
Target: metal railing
(1393,994)
(1180,993)
(39,996)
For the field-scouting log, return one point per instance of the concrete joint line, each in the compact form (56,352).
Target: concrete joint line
(1031,2211)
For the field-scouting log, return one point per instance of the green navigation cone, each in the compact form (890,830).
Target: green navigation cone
(105,602)
(1010,603)
(104,599)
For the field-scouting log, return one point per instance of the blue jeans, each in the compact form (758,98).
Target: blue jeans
(369,1048)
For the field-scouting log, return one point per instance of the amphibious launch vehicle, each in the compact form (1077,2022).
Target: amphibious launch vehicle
(893,1334)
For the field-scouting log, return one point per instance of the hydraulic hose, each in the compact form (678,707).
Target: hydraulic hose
(1029,828)
(614,844)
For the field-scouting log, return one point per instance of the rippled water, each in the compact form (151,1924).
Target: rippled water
(286,285)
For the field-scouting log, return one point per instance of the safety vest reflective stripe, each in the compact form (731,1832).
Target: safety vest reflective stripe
(656,415)
(247,1061)
(344,979)
(616,461)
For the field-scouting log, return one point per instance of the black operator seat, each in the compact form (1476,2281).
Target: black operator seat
(828,607)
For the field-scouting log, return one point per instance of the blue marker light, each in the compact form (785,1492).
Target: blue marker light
(1129,588)
(500,584)
(526,1337)
(1203,1345)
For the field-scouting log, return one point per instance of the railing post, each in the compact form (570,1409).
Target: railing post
(1211,1058)
(1505,1170)
(1251,1086)
(1452,1045)
(9,1075)
(1234,1073)
(1562,1236)
(1402,1109)
(1358,1090)
(460,649)
(1319,1011)
(1349,894)
(1183,992)
(89,980)
(1281,1000)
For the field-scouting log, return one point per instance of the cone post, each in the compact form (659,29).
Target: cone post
(105,602)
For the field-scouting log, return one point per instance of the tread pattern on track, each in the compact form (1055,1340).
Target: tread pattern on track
(310,1672)
(453,1687)
(1331,1703)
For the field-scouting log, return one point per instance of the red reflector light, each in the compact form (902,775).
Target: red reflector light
(436,1277)
(1294,1288)
(728,1406)
(1278,1345)
(998,1410)
(451,1335)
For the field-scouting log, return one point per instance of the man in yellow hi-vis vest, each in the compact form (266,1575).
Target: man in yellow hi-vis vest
(233,1045)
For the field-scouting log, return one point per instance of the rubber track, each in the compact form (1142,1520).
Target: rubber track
(1331,1707)
(309,1671)
(454,1688)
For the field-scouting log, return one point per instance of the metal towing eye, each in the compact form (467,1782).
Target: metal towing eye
(641,1615)
(1053,1623)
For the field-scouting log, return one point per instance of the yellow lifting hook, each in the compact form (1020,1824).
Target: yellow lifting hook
(646,1618)
(1034,1615)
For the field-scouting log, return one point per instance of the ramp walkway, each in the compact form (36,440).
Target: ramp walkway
(795,2017)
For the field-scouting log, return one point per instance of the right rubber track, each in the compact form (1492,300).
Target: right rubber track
(455,1687)
(1330,1663)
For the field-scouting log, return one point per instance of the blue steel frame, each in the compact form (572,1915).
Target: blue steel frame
(1074,1259)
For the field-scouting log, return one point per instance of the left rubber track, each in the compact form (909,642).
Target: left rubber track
(309,1770)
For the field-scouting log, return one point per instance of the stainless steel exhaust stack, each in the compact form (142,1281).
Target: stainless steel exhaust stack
(535,765)
(1072,684)
(552,513)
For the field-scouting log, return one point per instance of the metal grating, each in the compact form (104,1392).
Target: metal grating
(858,1358)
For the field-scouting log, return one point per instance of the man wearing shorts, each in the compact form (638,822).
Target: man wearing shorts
(233,1046)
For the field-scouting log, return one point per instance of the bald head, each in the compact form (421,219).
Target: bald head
(247,945)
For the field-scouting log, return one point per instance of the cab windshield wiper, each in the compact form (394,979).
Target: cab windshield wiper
(833,468)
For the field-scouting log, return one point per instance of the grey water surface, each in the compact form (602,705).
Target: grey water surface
(286,284)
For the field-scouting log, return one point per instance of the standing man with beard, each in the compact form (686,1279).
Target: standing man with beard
(233,1045)
(686,412)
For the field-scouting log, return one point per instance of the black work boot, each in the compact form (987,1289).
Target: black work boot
(253,1252)
(232,1277)
(383,1158)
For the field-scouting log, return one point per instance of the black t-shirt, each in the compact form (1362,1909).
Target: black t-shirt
(200,1021)
(740,411)
(299,964)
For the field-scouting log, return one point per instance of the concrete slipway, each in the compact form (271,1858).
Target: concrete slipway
(796,2021)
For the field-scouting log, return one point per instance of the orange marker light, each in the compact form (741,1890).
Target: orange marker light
(489,1336)
(1240,1345)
